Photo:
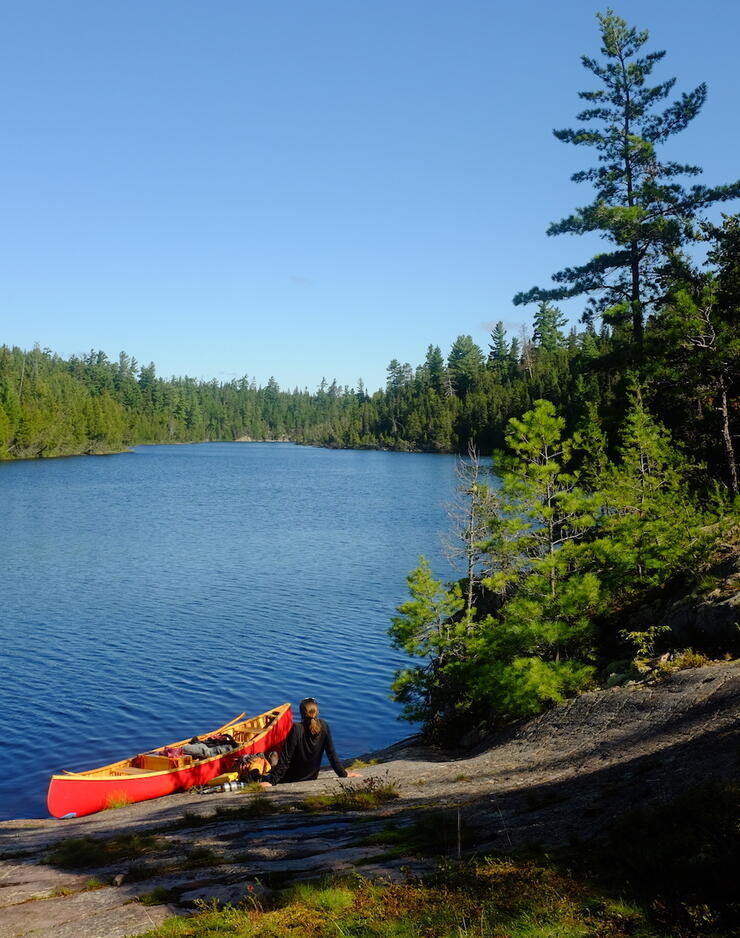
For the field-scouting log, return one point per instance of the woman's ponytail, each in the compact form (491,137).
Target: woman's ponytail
(309,715)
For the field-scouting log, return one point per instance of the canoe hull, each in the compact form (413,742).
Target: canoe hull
(76,795)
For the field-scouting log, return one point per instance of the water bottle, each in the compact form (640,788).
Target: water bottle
(232,786)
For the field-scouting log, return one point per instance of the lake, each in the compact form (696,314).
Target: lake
(152,595)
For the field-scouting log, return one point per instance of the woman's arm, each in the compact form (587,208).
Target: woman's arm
(332,754)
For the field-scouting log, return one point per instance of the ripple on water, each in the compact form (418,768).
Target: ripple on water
(154,595)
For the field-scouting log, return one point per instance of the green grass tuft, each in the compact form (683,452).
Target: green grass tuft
(432,834)
(79,853)
(321,897)
(482,899)
(160,895)
(257,806)
(364,795)
(361,764)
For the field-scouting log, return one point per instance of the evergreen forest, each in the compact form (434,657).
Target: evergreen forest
(614,490)
(687,362)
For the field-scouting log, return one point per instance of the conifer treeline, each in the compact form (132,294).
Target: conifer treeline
(50,406)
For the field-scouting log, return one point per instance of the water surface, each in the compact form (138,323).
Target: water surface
(152,595)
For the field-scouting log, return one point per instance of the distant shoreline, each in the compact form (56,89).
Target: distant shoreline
(243,439)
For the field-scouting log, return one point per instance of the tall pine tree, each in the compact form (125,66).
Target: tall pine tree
(640,205)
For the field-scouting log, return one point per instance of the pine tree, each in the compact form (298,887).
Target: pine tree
(639,206)
(538,648)
(534,648)
(425,628)
(548,327)
(515,352)
(464,362)
(498,347)
(543,505)
(434,366)
(694,354)
(721,341)
(650,528)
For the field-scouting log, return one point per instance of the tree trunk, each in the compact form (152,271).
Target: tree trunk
(471,550)
(635,299)
(727,438)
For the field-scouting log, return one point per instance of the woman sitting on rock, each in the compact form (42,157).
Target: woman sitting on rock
(306,744)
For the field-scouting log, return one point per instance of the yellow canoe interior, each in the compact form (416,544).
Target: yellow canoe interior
(244,730)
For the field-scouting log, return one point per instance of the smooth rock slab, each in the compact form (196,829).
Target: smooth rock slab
(100,913)
(20,882)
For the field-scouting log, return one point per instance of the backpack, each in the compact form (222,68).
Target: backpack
(253,767)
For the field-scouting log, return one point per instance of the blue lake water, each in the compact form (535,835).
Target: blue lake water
(152,595)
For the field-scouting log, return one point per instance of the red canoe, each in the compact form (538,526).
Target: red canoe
(156,773)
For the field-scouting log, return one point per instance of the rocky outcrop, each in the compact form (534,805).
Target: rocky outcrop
(706,619)
(567,773)
(711,620)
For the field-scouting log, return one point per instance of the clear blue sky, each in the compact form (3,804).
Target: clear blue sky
(306,189)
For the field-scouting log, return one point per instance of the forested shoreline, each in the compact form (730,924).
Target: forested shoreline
(687,363)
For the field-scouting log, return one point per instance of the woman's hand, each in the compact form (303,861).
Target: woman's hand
(265,784)
(353,775)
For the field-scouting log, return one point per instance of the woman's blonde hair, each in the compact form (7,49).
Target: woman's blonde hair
(309,714)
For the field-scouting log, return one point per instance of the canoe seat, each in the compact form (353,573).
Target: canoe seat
(152,762)
(130,770)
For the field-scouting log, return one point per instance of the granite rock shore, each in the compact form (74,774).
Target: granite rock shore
(569,771)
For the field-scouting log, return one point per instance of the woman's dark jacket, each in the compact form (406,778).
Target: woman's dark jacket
(301,757)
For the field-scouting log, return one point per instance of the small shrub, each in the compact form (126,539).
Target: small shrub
(684,660)
(619,672)
(364,795)
(706,583)
(361,764)
(645,641)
